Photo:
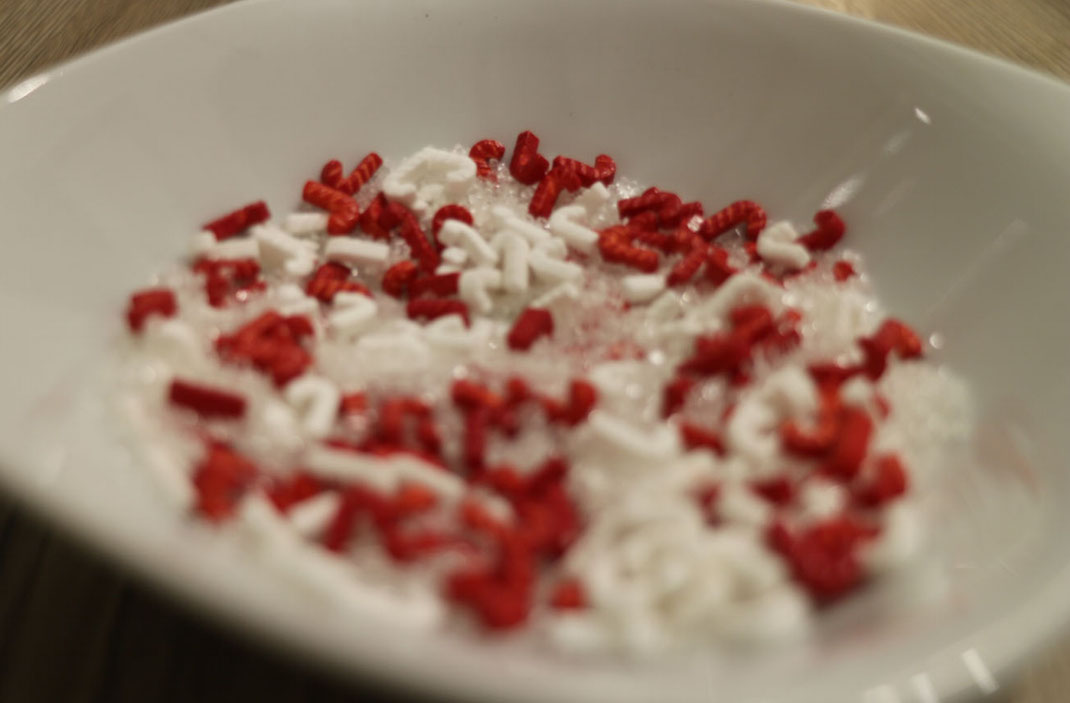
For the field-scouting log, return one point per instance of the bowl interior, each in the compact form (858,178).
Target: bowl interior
(950,169)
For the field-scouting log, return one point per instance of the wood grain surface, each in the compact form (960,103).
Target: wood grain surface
(74,629)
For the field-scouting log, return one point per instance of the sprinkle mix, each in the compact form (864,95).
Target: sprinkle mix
(486,386)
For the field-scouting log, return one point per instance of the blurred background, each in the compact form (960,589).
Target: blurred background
(74,629)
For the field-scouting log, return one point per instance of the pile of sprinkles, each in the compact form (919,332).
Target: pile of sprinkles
(523,394)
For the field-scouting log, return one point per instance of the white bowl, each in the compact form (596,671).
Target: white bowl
(951,168)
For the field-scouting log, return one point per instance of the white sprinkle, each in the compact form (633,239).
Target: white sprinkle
(740,289)
(447,485)
(455,233)
(278,247)
(316,401)
(857,391)
(277,420)
(899,541)
(563,291)
(201,243)
(228,249)
(666,307)
(553,248)
(428,176)
(820,499)
(454,256)
(449,332)
(515,251)
(577,634)
(776,245)
(473,285)
(354,251)
(660,442)
(305,223)
(310,517)
(350,466)
(294,301)
(780,615)
(352,316)
(593,199)
(263,523)
(749,432)
(299,266)
(553,270)
(789,391)
(640,288)
(172,339)
(564,223)
(738,504)
(510,222)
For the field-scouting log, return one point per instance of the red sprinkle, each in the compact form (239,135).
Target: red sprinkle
(470,395)
(615,245)
(269,344)
(528,166)
(823,557)
(343,209)
(371,220)
(582,397)
(221,479)
(474,440)
(546,194)
(353,404)
(828,233)
(568,595)
(330,279)
(206,401)
(889,482)
(398,278)
(224,278)
(420,246)
(820,439)
(740,212)
(452,211)
(236,222)
(686,268)
(650,199)
(413,499)
(778,491)
(355,501)
(652,238)
(843,270)
(363,173)
(148,302)
(717,268)
(670,211)
(433,308)
(852,442)
(531,324)
(675,395)
(483,152)
(892,336)
(286,493)
(441,284)
(605,168)
(695,437)
(586,174)
(332,174)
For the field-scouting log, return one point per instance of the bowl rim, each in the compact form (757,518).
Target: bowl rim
(1008,640)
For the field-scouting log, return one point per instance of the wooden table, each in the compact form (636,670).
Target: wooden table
(73,629)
